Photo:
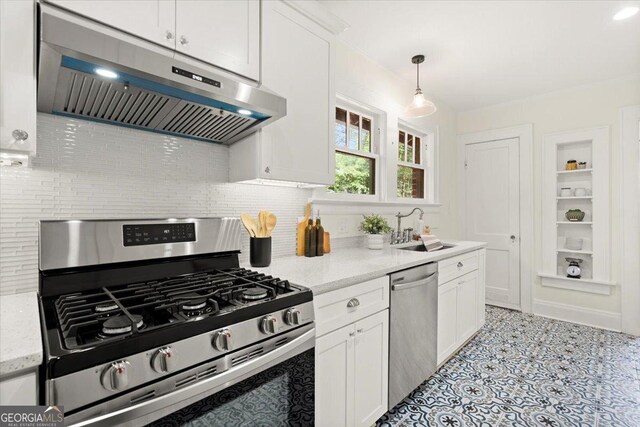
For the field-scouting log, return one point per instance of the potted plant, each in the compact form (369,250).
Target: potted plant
(374,227)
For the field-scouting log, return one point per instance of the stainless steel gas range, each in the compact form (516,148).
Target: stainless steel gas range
(145,319)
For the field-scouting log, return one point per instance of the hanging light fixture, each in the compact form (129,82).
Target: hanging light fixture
(420,107)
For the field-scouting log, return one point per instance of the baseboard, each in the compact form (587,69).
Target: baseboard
(583,316)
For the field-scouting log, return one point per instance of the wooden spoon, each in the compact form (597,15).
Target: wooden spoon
(249,224)
(262,219)
(271,223)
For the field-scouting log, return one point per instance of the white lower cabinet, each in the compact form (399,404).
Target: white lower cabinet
(447,319)
(460,306)
(352,373)
(21,389)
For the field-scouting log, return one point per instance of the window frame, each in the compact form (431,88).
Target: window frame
(428,163)
(377,118)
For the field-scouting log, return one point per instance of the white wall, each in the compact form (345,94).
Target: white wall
(361,79)
(570,109)
(89,170)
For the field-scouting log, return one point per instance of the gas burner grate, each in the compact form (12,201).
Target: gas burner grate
(158,303)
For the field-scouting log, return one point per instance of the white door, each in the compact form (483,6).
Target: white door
(153,20)
(467,302)
(335,378)
(17,76)
(297,64)
(447,319)
(493,212)
(371,369)
(225,33)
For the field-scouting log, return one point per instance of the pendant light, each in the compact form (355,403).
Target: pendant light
(420,107)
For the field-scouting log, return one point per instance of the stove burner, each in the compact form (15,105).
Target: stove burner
(254,293)
(120,324)
(106,306)
(193,302)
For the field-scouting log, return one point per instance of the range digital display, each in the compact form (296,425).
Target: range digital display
(152,234)
(196,77)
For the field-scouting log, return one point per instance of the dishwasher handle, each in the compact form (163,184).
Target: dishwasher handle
(425,281)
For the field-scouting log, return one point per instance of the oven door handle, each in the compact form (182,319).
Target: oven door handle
(135,414)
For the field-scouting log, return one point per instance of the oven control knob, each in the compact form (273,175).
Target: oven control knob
(163,360)
(222,340)
(268,325)
(115,377)
(292,317)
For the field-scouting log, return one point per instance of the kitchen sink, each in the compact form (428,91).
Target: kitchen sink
(421,248)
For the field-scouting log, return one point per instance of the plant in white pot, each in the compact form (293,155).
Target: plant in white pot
(374,226)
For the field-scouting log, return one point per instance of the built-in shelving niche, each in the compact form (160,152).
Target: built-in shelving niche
(590,146)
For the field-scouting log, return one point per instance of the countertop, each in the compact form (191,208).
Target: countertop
(20,334)
(20,338)
(348,266)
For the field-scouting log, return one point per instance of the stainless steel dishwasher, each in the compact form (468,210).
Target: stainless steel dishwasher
(412,331)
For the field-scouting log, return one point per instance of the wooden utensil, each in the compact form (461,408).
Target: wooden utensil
(249,224)
(270,223)
(262,224)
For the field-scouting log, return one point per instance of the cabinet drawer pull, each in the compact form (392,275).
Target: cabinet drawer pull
(361,330)
(460,264)
(353,302)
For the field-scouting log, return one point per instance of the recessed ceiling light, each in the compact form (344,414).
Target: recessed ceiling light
(244,112)
(106,73)
(625,13)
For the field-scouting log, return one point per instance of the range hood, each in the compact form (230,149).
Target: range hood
(93,72)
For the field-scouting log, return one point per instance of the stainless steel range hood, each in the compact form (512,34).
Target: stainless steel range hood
(90,71)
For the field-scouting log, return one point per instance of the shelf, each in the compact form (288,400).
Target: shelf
(569,251)
(575,198)
(575,171)
(583,285)
(575,222)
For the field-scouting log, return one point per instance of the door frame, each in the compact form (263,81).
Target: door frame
(630,219)
(524,133)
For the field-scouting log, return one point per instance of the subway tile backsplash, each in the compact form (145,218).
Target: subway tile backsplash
(86,170)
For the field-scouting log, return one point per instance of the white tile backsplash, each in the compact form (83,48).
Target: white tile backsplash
(90,170)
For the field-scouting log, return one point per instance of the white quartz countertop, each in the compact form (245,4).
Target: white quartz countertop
(348,266)
(20,337)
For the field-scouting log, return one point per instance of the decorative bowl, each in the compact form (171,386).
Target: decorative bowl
(574,215)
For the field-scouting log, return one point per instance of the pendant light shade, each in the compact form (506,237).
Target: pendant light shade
(420,106)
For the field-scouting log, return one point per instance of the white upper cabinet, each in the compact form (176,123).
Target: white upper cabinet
(17,76)
(222,33)
(297,63)
(153,20)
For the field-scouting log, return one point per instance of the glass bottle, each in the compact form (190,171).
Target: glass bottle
(310,239)
(319,237)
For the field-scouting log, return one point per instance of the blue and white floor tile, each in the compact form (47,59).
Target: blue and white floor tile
(524,370)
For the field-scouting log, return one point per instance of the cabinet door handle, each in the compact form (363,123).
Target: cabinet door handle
(19,135)
(184,41)
(460,265)
(353,302)
(361,330)
(168,35)
(352,334)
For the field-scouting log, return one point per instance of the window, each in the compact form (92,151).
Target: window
(356,156)
(411,165)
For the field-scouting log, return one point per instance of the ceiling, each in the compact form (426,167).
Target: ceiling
(481,53)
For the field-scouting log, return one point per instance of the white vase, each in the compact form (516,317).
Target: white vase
(375,241)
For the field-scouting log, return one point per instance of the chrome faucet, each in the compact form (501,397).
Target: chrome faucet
(404,236)
(400,216)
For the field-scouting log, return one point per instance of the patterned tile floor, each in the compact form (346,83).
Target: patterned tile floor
(524,370)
